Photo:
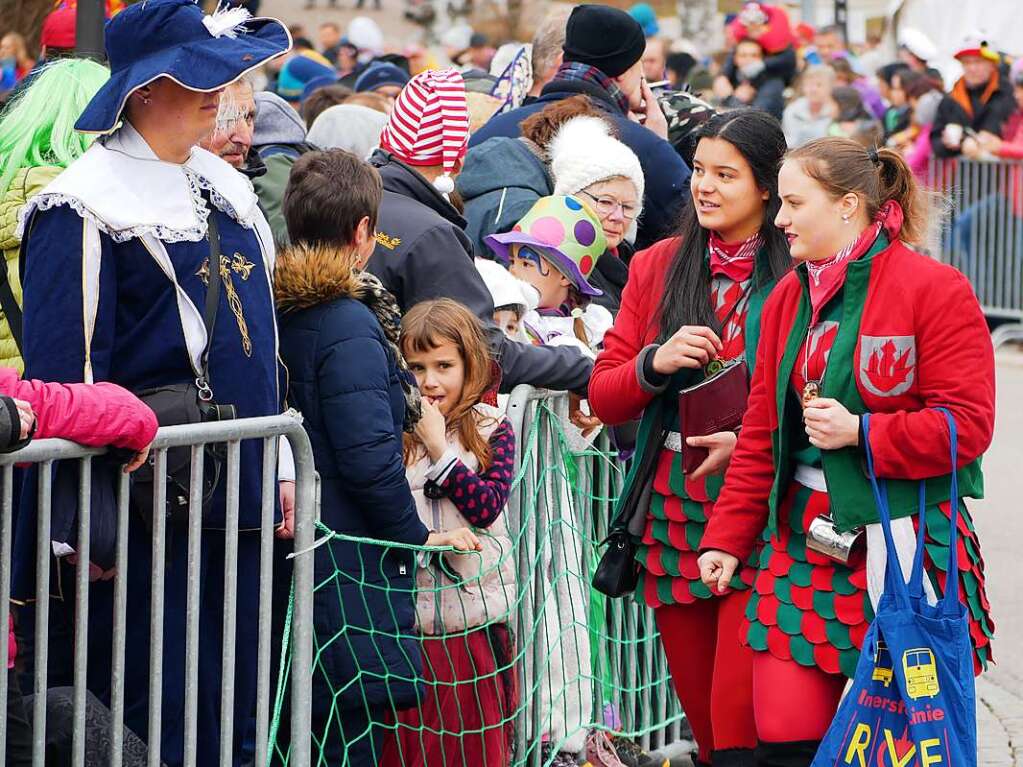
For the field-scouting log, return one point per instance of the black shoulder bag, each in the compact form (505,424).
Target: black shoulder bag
(187,403)
(617,572)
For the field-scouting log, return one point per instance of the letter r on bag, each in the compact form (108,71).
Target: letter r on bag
(859,744)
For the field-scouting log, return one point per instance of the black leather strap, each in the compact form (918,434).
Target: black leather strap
(632,506)
(212,292)
(9,304)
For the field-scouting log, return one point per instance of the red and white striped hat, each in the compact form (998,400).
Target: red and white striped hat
(430,123)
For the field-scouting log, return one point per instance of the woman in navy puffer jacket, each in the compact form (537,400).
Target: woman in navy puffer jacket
(338,334)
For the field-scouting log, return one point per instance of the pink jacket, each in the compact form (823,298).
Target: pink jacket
(919,156)
(90,414)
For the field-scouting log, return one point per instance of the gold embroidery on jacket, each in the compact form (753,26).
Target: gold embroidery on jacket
(387,241)
(242,267)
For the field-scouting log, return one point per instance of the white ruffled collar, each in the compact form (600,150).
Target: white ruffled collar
(122,186)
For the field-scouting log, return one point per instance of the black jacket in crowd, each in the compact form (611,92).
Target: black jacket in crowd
(988,116)
(422,253)
(610,275)
(665,174)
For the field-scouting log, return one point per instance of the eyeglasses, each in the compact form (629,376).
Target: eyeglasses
(607,205)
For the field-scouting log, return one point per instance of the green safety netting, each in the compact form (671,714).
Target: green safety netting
(514,657)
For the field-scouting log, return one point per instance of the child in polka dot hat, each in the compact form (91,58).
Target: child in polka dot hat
(555,248)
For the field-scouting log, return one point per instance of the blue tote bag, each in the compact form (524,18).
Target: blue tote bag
(912,702)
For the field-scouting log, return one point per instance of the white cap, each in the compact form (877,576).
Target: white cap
(584,152)
(505,289)
(457,36)
(917,43)
(365,34)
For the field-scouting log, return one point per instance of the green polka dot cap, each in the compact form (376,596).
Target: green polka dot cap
(565,231)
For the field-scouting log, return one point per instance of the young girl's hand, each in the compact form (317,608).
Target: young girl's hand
(585,422)
(432,430)
(692,346)
(720,446)
(462,539)
(829,425)
(717,569)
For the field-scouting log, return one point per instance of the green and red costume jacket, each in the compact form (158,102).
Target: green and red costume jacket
(910,337)
(620,391)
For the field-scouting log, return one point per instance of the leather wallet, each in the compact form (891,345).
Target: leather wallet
(717,403)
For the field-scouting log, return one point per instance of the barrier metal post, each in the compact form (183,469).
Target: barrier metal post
(983,235)
(82,610)
(644,696)
(192,579)
(6,524)
(44,454)
(42,611)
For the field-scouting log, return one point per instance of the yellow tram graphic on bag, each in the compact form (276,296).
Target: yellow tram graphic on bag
(883,666)
(921,673)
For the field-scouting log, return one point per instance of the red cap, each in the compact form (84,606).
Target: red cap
(59,29)
(805,32)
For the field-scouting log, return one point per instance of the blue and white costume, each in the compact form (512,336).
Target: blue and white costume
(115,268)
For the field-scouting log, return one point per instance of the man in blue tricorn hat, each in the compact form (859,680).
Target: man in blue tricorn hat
(117,267)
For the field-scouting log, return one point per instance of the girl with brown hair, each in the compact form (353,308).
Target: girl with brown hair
(864,324)
(692,303)
(459,463)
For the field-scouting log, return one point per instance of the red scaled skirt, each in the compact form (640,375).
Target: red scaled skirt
(815,611)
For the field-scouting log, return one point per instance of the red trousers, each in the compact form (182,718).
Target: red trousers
(711,669)
(782,716)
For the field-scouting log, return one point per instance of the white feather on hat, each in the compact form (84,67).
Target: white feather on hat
(584,152)
(225,21)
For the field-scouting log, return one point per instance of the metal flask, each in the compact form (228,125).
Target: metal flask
(846,547)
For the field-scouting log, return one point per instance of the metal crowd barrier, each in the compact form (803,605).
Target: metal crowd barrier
(558,513)
(627,646)
(43,454)
(983,236)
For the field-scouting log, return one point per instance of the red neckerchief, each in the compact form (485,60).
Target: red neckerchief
(734,260)
(827,275)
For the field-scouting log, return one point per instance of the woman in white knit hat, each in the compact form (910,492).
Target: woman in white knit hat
(589,163)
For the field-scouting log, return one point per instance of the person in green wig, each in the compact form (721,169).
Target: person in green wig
(37,141)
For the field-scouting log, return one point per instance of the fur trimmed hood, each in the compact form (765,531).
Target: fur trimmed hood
(310,275)
(307,275)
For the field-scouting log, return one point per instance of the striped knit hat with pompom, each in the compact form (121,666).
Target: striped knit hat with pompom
(430,123)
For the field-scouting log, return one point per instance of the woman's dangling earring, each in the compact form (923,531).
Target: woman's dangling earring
(846,219)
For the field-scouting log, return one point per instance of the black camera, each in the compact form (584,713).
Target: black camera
(211,412)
